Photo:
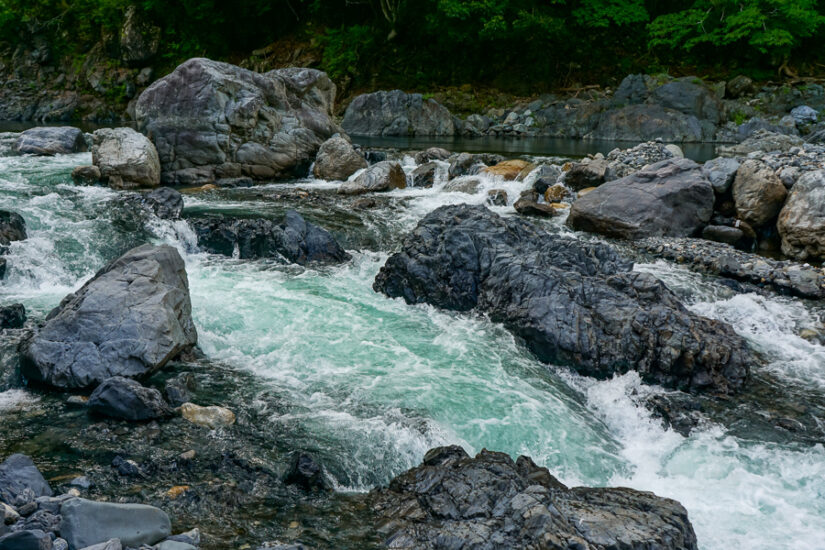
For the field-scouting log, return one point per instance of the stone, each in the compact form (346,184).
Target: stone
(12,227)
(112,544)
(175,545)
(337,160)
(633,89)
(689,96)
(490,501)
(556,193)
(723,234)
(293,239)
(467,164)
(383,176)
(85,522)
(425,175)
(648,122)
(86,175)
(139,39)
(165,202)
(430,154)
(463,185)
(497,197)
(211,120)
(60,544)
(804,115)
(50,140)
(739,86)
(588,173)
(528,207)
(623,162)
(758,193)
(574,303)
(129,320)
(212,417)
(306,473)
(670,198)
(720,172)
(179,389)
(17,474)
(126,158)
(13,316)
(192,537)
(26,540)
(508,170)
(761,140)
(395,113)
(801,221)
(126,399)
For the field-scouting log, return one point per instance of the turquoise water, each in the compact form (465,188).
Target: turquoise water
(374,382)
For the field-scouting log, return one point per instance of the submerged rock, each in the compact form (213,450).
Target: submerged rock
(126,158)
(574,303)
(129,320)
(85,522)
(127,399)
(383,176)
(337,160)
(395,113)
(48,141)
(294,239)
(490,501)
(306,473)
(424,175)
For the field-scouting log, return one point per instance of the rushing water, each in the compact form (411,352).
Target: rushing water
(375,382)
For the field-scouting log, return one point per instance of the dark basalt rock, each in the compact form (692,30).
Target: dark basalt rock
(12,227)
(165,202)
(294,239)
(490,502)
(573,302)
(127,399)
(306,473)
(13,316)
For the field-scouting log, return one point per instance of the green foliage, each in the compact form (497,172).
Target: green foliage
(344,48)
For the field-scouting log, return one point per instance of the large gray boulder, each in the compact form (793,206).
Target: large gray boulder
(396,113)
(17,474)
(48,141)
(129,320)
(758,193)
(85,522)
(383,176)
(337,160)
(647,122)
(801,221)
(212,120)
(669,198)
(127,399)
(126,158)
(689,96)
(491,501)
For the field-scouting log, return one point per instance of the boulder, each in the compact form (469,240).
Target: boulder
(383,176)
(758,193)
(50,140)
(648,122)
(165,202)
(497,197)
(12,227)
(127,399)
(670,198)
(574,303)
(430,154)
(529,207)
(306,473)
(584,174)
(725,234)
(468,164)
(490,501)
(761,140)
(689,96)
(804,115)
(129,320)
(19,474)
(424,175)
(337,160)
(633,89)
(212,120)
(85,522)
(801,221)
(13,316)
(293,239)
(720,172)
(395,113)
(86,175)
(508,170)
(212,417)
(126,158)
(738,86)
(26,540)
(139,39)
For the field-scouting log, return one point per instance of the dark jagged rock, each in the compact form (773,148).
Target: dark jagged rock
(573,302)
(12,227)
(86,175)
(127,399)
(13,316)
(294,239)
(670,198)
(50,140)
(129,320)
(165,202)
(306,473)
(18,474)
(488,502)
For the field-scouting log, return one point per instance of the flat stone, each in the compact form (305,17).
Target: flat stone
(87,522)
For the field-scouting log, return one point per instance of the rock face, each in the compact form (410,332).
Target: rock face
(801,222)
(12,227)
(670,198)
(127,399)
(19,473)
(337,160)
(645,122)
(574,303)
(294,239)
(85,522)
(126,159)
(396,113)
(690,98)
(383,176)
(47,141)
(758,193)
(212,120)
(129,320)
(490,501)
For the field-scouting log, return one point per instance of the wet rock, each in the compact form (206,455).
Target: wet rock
(179,389)
(463,185)
(383,176)
(12,227)
(126,158)
(86,175)
(26,540)
(86,522)
(739,86)
(212,120)
(528,207)
(433,153)
(761,140)
(212,417)
(165,202)
(337,160)
(497,197)
(126,399)
(669,198)
(555,193)
(508,170)
(584,174)
(574,303)
(395,113)
(126,467)
(801,221)
(129,320)
(454,501)
(13,316)
(48,141)
(758,193)
(425,175)
(293,239)
(467,164)
(139,39)
(720,172)
(306,473)
(18,474)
